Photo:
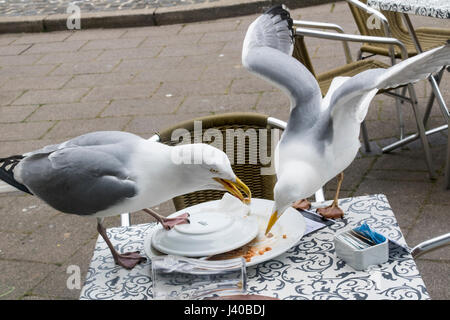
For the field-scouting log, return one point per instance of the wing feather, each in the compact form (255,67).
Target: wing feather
(354,95)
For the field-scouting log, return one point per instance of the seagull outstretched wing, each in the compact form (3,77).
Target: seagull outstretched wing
(267,50)
(353,96)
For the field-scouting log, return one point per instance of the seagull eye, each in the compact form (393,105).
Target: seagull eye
(212,170)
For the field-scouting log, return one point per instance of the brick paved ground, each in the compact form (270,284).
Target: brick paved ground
(44,7)
(54,86)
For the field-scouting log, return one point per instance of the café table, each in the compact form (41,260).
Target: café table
(310,270)
(429,8)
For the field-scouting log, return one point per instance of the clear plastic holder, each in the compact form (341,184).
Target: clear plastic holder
(181,278)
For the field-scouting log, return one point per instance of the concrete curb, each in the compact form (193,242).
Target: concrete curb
(148,17)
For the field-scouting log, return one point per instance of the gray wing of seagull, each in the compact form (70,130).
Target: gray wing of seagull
(266,51)
(84,175)
(353,96)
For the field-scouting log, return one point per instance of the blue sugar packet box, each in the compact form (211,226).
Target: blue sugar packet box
(361,247)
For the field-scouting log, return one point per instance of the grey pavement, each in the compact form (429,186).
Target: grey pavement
(57,85)
(44,7)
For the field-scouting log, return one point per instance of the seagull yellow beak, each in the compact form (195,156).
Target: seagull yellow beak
(273,218)
(235,187)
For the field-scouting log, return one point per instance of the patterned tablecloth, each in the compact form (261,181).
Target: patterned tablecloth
(429,8)
(310,270)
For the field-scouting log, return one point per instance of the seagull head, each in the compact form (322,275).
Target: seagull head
(296,180)
(208,168)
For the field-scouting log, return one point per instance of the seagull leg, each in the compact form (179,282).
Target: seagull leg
(333,211)
(302,204)
(127,260)
(169,223)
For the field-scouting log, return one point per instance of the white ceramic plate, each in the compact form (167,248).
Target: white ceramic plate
(208,233)
(287,232)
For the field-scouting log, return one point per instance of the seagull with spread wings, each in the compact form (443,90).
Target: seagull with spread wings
(322,134)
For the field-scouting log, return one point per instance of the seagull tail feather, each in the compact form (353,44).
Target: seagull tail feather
(7,166)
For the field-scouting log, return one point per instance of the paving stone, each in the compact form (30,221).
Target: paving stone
(250,85)
(80,110)
(121,92)
(19,60)
(24,214)
(176,74)
(61,236)
(212,60)
(170,40)
(435,277)
(19,277)
(68,57)
(30,70)
(55,47)
(23,146)
(131,53)
(23,131)
(148,65)
(221,25)
(203,87)
(71,128)
(111,44)
(15,113)
(100,79)
(153,105)
(272,102)
(43,37)
(236,36)
(95,34)
(7,38)
(48,82)
(85,67)
(55,284)
(401,160)
(153,31)
(191,50)
(219,103)
(232,71)
(431,223)
(146,126)
(51,96)
(13,50)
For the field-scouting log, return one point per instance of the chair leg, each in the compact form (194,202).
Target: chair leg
(365,136)
(401,123)
(421,131)
(431,99)
(447,161)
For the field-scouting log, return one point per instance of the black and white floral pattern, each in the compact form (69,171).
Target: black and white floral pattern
(430,8)
(308,271)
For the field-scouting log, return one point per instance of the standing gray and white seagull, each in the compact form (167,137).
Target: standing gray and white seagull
(322,134)
(106,173)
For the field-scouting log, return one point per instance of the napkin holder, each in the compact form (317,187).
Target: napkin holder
(361,259)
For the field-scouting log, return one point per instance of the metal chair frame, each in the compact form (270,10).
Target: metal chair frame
(434,82)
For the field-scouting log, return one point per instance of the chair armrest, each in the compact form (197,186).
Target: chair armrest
(376,13)
(277,123)
(430,245)
(326,26)
(352,38)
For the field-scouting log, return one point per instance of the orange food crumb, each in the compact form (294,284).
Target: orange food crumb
(261,252)
(268,248)
(284,236)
